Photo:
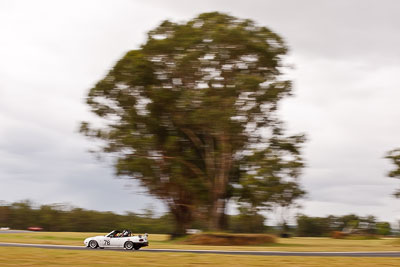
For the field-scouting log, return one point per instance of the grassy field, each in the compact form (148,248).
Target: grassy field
(46,257)
(60,238)
(162,241)
(14,256)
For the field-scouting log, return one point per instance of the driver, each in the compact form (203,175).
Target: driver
(125,233)
(117,234)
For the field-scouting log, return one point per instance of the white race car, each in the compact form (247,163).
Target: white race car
(117,239)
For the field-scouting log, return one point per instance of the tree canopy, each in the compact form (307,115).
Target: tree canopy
(394,157)
(191,114)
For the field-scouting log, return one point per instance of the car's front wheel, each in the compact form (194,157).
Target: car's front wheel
(128,245)
(93,244)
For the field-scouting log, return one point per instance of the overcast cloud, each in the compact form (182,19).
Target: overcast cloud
(346,57)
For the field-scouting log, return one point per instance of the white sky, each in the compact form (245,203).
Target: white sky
(347,62)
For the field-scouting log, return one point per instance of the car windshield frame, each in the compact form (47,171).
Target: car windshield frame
(113,232)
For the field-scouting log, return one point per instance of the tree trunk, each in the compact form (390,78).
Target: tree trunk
(183,219)
(223,222)
(217,156)
(216,214)
(221,180)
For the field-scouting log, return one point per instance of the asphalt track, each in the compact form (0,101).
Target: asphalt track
(258,253)
(14,231)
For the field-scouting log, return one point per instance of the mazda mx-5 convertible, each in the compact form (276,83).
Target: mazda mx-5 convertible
(117,239)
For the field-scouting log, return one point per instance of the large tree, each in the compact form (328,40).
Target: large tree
(192,115)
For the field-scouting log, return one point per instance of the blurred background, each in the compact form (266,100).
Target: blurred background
(345,63)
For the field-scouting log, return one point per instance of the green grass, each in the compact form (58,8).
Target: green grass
(46,257)
(162,241)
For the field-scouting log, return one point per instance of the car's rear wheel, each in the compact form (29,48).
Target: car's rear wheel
(128,245)
(93,244)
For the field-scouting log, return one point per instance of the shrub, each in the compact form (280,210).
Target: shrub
(230,239)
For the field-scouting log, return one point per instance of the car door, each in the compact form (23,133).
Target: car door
(106,242)
(116,241)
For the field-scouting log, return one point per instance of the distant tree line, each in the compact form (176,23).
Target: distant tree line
(62,217)
(350,224)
